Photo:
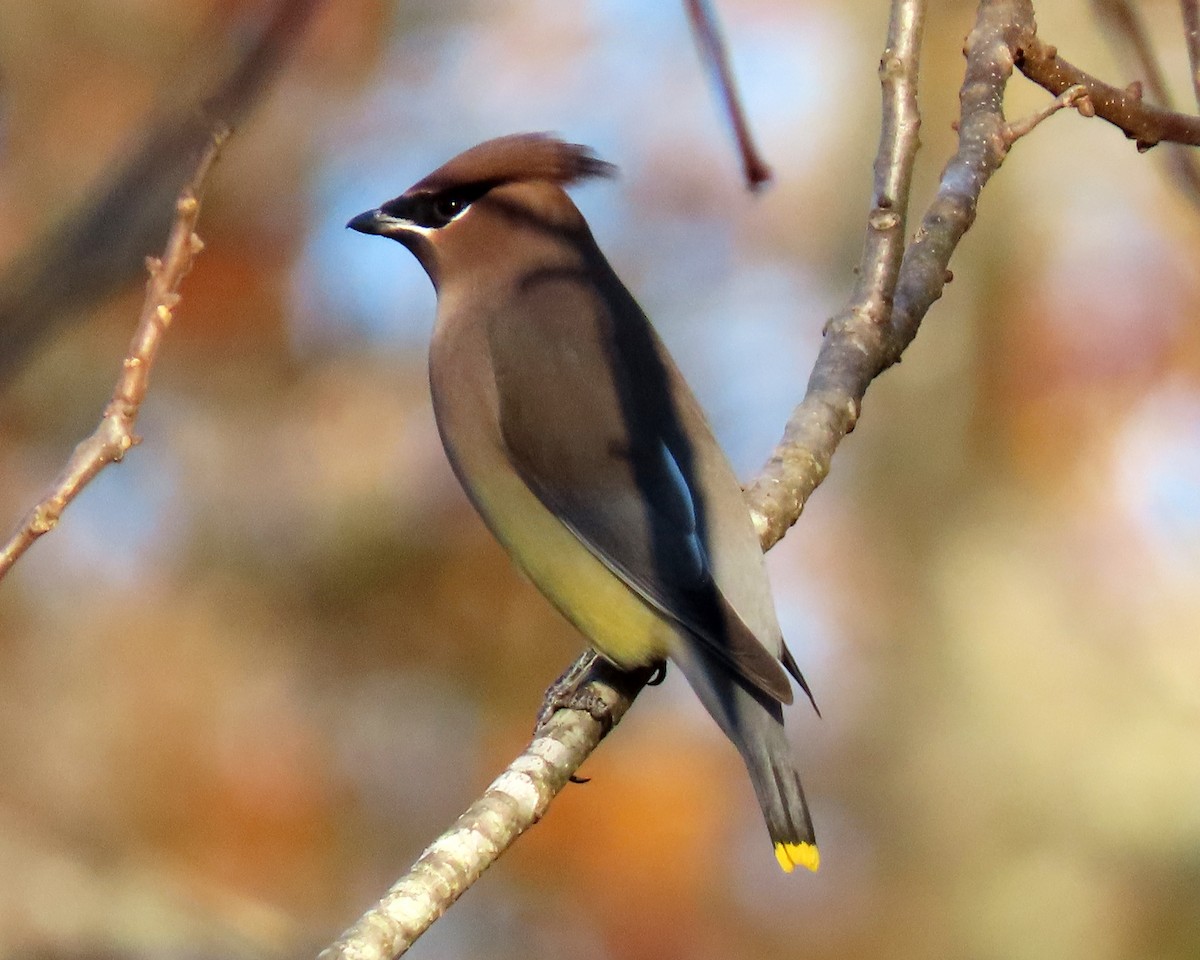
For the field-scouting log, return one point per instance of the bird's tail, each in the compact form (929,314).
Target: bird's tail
(781,797)
(754,723)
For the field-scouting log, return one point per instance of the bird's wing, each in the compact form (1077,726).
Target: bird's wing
(587,415)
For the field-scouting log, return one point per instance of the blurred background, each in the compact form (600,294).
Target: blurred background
(264,661)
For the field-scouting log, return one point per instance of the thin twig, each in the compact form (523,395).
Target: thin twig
(98,246)
(1127,24)
(1142,122)
(114,435)
(716,58)
(830,406)
(1076,97)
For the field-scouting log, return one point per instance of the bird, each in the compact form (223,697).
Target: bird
(579,442)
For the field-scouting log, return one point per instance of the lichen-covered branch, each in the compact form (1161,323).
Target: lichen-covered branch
(114,436)
(513,802)
(984,139)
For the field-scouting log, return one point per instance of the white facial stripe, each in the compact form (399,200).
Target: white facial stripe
(410,227)
(400,223)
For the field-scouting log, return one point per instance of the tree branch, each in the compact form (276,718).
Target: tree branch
(99,245)
(1076,97)
(1128,25)
(1124,109)
(853,350)
(114,435)
(714,56)
(514,801)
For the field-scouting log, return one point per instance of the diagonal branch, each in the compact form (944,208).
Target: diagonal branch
(99,245)
(853,351)
(114,436)
(1128,24)
(1142,122)
(714,55)
(515,801)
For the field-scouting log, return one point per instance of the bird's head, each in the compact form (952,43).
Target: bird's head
(475,208)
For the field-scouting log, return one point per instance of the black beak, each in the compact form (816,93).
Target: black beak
(373,222)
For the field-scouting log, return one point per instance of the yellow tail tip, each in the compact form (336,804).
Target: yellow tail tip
(792,855)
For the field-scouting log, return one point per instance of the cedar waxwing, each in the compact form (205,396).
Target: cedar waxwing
(585,451)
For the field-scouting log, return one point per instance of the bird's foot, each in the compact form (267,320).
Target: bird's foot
(569,693)
(572,691)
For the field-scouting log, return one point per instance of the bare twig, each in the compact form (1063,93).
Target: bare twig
(98,246)
(1142,122)
(1128,26)
(1076,96)
(848,359)
(714,55)
(114,436)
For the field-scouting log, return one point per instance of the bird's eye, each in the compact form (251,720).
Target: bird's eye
(434,210)
(437,209)
(446,208)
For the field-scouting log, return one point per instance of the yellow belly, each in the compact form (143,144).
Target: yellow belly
(617,622)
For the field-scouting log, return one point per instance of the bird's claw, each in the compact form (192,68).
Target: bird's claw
(568,693)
